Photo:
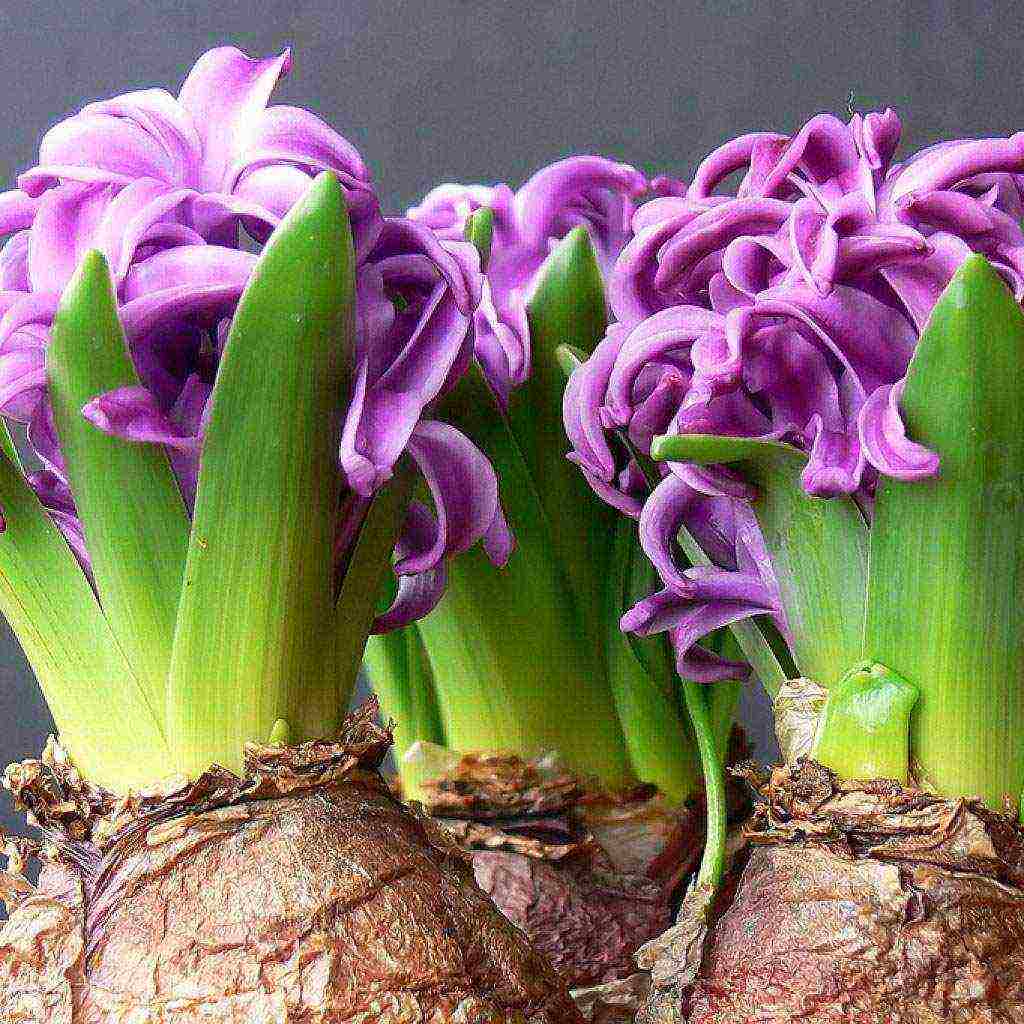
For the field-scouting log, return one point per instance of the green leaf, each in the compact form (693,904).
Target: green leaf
(568,307)
(135,523)
(255,639)
(865,727)
(643,677)
(480,231)
(946,597)
(819,548)
(550,597)
(708,449)
(103,714)
(491,696)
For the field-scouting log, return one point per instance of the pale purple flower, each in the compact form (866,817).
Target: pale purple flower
(591,191)
(819,271)
(165,187)
(786,307)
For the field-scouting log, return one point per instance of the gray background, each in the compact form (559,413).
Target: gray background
(468,90)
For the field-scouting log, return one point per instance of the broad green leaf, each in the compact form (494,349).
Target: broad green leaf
(865,727)
(255,637)
(490,692)
(568,307)
(643,677)
(135,523)
(103,714)
(819,548)
(946,596)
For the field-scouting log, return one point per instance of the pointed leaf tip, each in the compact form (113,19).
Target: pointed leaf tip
(91,283)
(709,449)
(93,262)
(480,231)
(571,274)
(569,359)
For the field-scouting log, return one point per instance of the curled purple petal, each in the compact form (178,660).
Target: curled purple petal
(836,462)
(17,211)
(225,92)
(715,598)
(22,382)
(884,438)
(499,542)
(700,665)
(418,592)
(953,163)
(132,413)
(464,488)
(664,513)
(417,595)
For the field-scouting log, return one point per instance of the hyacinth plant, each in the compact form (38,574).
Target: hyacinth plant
(134,180)
(481,671)
(830,341)
(229,442)
(522,708)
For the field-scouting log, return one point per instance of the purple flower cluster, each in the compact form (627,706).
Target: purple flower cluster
(165,188)
(591,191)
(785,307)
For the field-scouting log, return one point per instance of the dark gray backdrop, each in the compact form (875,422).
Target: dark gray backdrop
(490,89)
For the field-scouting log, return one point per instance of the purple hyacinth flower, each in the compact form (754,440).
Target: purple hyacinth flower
(582,190)
(785,307)
(168,188)
(825,245)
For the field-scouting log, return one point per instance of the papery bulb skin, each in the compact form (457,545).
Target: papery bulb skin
(589,876)
(858,903)
(302,893)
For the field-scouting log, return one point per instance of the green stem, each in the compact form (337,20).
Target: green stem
(724,698)
(712,864)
